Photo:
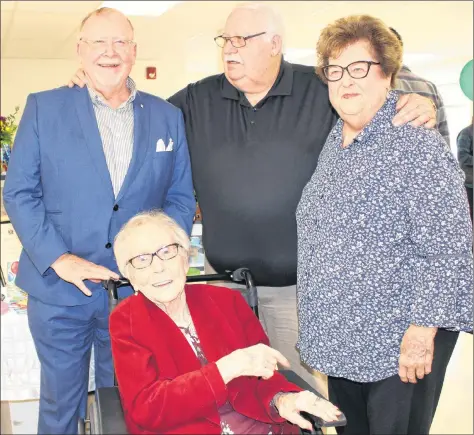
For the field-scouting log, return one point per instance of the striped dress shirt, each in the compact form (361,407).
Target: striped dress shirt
(116,132)
(408,82)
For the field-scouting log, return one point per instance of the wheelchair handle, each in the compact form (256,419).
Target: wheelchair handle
(243,274)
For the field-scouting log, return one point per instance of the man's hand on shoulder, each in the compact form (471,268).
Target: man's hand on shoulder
(75,270)
(416,110)
(79,79)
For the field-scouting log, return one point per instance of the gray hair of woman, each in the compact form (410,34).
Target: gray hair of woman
(343,32)
(157,218)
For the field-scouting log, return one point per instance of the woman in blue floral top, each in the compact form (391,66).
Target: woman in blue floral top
(384,244)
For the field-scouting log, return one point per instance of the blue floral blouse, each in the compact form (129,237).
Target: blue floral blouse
(384,241)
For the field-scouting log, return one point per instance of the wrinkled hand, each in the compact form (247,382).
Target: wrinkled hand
(290,405)
(79,79)
(259,360)
(75,270)
(415,109)
(416,353)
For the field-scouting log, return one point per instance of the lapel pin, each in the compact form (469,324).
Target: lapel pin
(141,105)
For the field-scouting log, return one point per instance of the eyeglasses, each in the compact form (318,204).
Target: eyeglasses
(119,45)
(236,41)
(357,70)
(165,253)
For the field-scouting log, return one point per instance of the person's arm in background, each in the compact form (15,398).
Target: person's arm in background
(464,145)
(180,202)
(441,118)
(408,83)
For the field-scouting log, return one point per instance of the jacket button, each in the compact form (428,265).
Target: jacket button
(115,207)
(108,245)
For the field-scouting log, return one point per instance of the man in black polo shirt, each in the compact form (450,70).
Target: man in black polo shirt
(254,134)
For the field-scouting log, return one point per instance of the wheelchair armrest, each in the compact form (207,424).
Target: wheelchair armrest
(110,419)
(316,421)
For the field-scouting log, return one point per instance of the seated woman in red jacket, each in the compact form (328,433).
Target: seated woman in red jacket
(194,358)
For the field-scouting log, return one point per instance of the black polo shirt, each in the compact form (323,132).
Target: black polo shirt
(250,165)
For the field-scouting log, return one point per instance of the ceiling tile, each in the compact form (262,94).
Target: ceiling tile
(60,7)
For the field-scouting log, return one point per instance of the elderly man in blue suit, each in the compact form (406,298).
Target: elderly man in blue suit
(84,162)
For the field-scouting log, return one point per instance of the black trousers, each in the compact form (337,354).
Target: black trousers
(469,198)
(390,406)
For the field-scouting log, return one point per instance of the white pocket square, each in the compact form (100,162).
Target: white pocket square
(160,145)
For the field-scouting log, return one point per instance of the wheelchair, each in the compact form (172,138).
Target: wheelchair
(106,413)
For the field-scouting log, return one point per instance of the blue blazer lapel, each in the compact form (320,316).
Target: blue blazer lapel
(141,133)
(90,129)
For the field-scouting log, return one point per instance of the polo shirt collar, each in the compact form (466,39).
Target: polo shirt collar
(283,84)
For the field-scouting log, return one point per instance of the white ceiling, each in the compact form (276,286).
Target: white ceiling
(47,29)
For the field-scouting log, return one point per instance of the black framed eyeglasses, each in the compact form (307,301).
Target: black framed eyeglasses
(165,253)
(357,70)
(236,41)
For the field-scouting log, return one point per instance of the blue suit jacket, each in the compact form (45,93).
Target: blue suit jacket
(58,193)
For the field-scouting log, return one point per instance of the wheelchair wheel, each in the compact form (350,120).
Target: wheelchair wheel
(94,426)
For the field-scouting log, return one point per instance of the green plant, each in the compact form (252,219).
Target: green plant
(8,127)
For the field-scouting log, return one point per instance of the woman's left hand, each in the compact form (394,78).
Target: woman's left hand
(415,109)
(290,405)
(416,353)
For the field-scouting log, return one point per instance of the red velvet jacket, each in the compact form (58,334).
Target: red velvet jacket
(164,388)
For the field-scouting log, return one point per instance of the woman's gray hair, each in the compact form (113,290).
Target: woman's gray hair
(156,217)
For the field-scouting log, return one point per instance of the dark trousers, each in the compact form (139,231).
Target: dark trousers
(64,337)
(390,406)
(469,198)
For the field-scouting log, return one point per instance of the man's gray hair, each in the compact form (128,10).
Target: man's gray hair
(273,20)
(103,11)
(160,220)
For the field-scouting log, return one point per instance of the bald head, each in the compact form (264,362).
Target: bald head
(102,12)
(258,15)
(252,66)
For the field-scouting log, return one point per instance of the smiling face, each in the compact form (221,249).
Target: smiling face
(107,65)
(358,99)
(163,281)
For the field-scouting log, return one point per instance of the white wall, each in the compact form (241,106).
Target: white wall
(20,77)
